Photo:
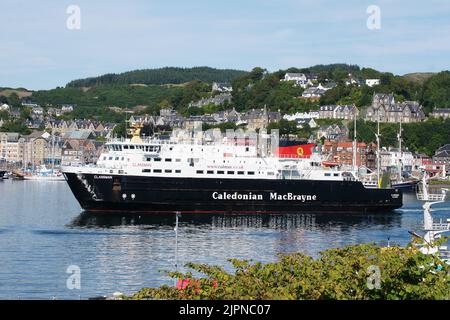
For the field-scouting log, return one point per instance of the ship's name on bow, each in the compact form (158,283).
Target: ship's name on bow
(255,196)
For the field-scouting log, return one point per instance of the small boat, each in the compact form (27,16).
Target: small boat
(44,174)
(3,174)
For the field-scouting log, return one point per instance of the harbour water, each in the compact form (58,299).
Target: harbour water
(43,233)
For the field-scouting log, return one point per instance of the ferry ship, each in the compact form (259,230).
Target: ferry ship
(165,176)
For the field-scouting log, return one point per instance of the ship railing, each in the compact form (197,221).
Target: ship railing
(440,226)
(430,197)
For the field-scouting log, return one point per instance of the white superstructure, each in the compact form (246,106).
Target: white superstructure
(170,158)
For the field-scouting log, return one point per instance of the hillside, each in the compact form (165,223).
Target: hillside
(419,77)
(21,92)
(167,75)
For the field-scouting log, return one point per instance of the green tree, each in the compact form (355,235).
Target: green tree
(436,91)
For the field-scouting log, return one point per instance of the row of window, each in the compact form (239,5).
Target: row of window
(223,172)
(160,171)
(189,160)
(329,174)
(118,147)
(114,158)
(159,159)
(201,171)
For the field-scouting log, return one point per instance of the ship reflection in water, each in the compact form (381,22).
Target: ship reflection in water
(306,221)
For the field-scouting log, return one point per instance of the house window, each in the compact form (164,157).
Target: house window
(146,170)
(220,172)
(157,171)
(230,172)
(199,171)
(210,172)
(177,171)
(168,160)
(251,173)
(168,171)
(240,172)
(157,159)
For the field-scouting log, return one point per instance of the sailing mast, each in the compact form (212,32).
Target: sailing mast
(377,135)
(400,163)
(53,151)
(354,144)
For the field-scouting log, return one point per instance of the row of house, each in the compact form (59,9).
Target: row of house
(41,148)
(253,119)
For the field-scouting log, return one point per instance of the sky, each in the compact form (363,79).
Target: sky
(39,51)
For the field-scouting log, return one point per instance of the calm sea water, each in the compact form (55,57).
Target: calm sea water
(43,232)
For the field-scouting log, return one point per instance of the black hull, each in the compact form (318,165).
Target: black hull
(103,193)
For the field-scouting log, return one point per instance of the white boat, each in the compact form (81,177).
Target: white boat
(44,174)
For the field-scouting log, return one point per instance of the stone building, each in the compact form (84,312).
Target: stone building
(386,109)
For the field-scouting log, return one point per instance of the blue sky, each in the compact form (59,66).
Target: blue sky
(37,51)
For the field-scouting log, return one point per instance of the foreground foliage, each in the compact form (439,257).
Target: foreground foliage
(344,273)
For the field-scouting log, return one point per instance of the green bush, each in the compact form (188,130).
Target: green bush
(344,273)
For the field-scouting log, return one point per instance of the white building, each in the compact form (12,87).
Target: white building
(393,158)
(299,78)
(302,115)
(11,147)
(372,82)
